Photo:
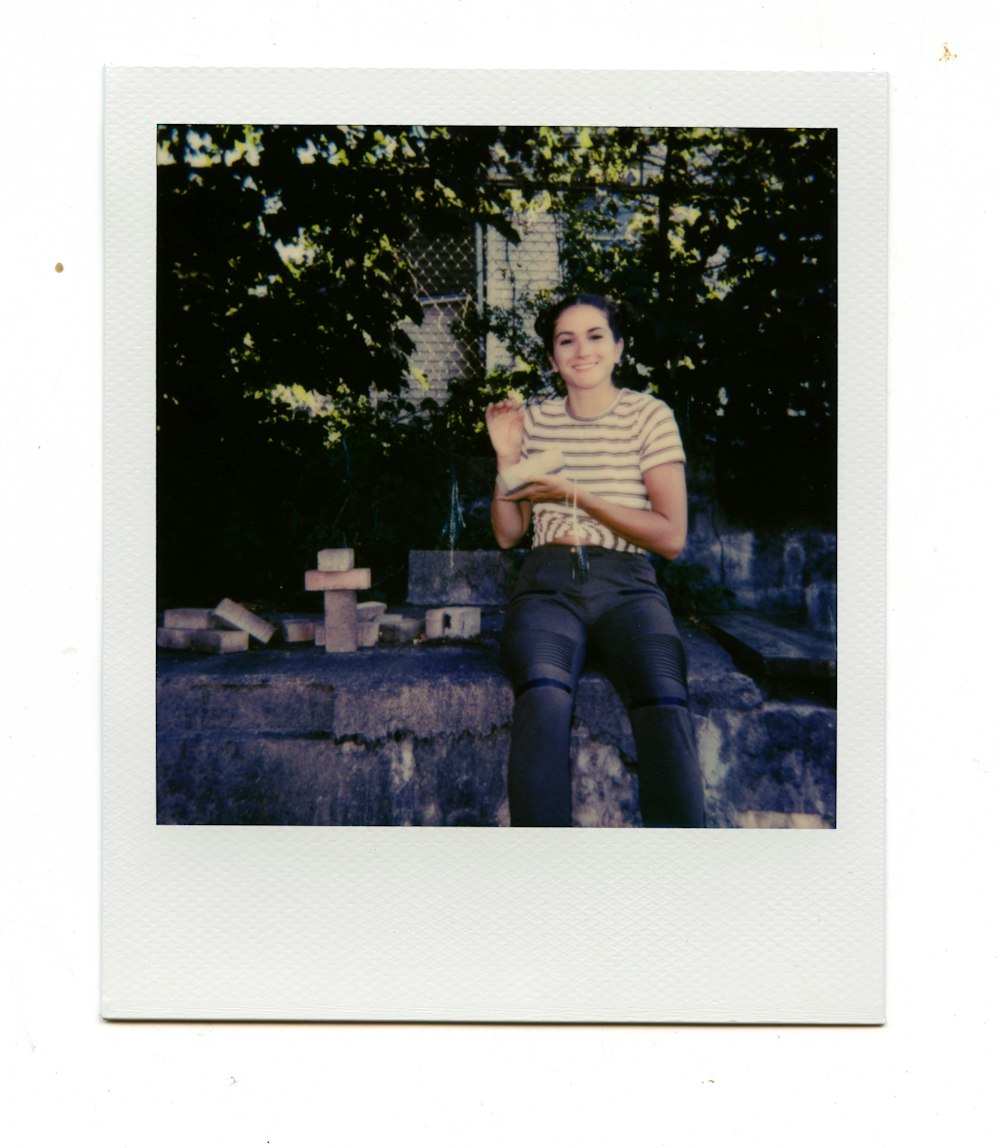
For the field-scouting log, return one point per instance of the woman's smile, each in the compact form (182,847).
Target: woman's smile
(584,349)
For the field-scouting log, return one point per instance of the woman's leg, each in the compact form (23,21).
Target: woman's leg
(641,652)
(542,648)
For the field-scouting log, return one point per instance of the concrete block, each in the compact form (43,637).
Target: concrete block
(298,629)
(220,641)
(340,621)
(369,610)
(394,629)
(453,622)
(189,618)
(463,577)
(174,638)
(338,579)
(240,618)
(335,560)
(368,632)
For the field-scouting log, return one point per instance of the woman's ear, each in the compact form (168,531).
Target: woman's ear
(620,350)
(552,363)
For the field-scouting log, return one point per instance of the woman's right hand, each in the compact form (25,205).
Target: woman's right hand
(505,422)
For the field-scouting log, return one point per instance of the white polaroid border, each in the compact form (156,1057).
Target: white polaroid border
(284,923)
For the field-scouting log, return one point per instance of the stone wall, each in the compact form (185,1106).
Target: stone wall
(418,735)
(793,574)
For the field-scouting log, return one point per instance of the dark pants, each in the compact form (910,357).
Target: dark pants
(618,615)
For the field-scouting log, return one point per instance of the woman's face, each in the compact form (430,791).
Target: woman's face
(584,350)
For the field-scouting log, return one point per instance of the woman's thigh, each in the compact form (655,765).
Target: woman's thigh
(544,637)
(637,644)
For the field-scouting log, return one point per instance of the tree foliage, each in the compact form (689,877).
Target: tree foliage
(287,419)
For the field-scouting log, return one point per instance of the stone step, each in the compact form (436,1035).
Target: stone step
(767,648)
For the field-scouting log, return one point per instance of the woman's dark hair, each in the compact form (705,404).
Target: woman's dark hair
(615,313)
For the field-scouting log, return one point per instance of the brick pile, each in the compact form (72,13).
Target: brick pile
(347,624)
(227,629)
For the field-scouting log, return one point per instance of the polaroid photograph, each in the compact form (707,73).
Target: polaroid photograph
(494,546)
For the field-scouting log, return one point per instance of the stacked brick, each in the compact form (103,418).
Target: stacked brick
(339,580)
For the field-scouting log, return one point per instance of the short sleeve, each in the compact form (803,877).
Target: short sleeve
(660,438)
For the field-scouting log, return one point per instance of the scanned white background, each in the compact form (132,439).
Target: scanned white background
(379,924)
(927,1070)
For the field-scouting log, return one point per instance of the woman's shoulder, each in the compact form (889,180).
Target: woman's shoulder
(644,402)
(643,405)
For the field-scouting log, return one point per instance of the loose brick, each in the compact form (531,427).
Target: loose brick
(240,618)
(335,560)
(298,629)
(368,632)
(453,622)
(189,618)
(394,630)
(339,579)
(369,610)
(220,641)
(340,621)
(173,638)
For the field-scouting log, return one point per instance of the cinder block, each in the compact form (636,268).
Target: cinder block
(368,632)
(369,610)
(298,629)
(240,618)
(394,629)
(220,641)
(453,622)
(189,618)
(335,560)
(339,579)
(173,638)
(340,621)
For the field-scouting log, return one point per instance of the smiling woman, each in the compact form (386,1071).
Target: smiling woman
(588,583)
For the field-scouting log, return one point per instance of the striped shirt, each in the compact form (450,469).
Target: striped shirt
(607,454)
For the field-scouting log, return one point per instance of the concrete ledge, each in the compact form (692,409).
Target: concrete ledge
(419,735)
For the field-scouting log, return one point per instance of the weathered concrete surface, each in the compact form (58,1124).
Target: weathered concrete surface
(462,577)
(778,573)
(419,735)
